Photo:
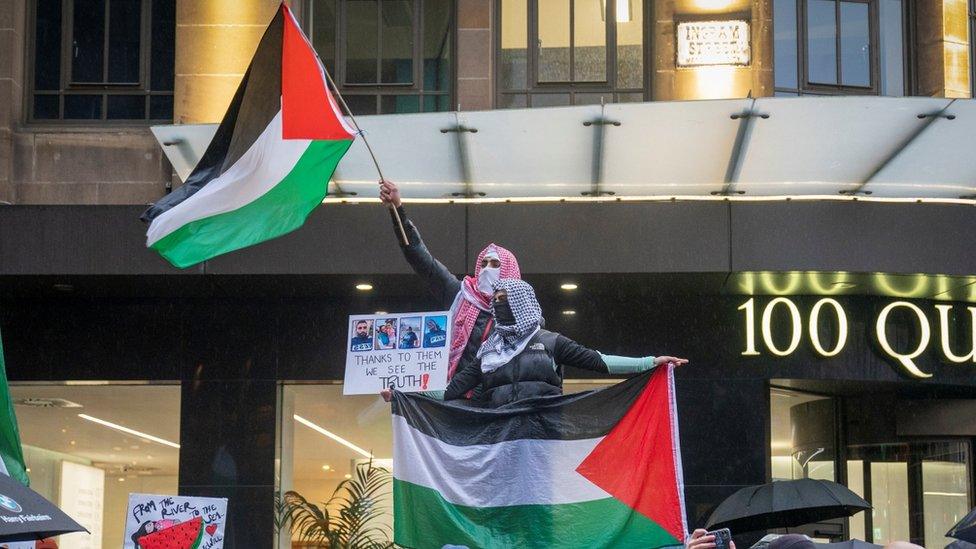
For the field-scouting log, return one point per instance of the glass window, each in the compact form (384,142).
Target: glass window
(102,60)
(839,46)
(387,56)
(581,50)
(78,457)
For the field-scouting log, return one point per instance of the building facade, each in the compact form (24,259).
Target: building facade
(829,339)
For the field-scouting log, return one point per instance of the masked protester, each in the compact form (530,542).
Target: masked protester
(469,300)
(522,360)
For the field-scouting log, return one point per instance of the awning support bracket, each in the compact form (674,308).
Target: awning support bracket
(742,136)
(927,120)
(464,160)
(599,126)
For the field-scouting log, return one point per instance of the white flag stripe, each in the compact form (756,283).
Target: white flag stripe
(269,159)
(518,472)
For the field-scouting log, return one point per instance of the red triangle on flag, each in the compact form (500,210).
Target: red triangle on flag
(308,110)
(639,462)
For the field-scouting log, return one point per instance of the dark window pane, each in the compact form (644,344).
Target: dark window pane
(362,35)
(892,48)
(554,40)
(855,44)
(514,44)
(397,38)
(822,41)
(161,107)
(390,104)
(361,104)
(82,107)
(126,107)
(512,101)
(46,106)
(437,45)
(47,46)
(434,103)
(630,44)
(163,52)
(589,40)
(324,19)
(785,46)
(550,99)
(88,47)
(124,21)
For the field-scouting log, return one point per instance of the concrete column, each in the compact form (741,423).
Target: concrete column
(215,40)
(474,59)
(719,82)
(12,21)
(942,43)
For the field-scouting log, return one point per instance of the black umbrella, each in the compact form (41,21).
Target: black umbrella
(960,544)
(965,529)
(849,544)
(785,503)
(26,516)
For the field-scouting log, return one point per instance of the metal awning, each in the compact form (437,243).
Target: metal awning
(912,147)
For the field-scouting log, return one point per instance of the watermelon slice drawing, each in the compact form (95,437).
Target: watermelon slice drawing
(185,535)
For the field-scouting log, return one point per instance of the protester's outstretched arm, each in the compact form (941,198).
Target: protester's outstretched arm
(439,279)
(570,353)
(464,380)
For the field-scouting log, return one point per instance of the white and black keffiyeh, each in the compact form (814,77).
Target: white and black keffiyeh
(505,342)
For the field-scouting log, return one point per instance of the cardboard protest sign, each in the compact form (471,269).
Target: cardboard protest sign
(407,350)
(149,513)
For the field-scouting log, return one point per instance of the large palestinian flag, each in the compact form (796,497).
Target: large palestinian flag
(596,469)
(269,163)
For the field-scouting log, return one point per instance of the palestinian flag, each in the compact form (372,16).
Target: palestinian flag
(269,163)
(595,469)
(11,452)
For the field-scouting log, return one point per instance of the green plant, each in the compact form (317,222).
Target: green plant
(355,505)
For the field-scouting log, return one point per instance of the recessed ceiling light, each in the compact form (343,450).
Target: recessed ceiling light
(364,287)
(326,467)
(121,479)
(569,312)
(347,475)
(117,427)
(381,313)
(569,286)
(28,469)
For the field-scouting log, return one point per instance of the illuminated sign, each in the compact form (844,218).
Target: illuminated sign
(703,43)
(787,339)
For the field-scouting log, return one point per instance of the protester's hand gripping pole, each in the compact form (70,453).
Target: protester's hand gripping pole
(362,135)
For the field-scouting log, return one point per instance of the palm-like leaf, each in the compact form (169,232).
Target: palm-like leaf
(357,504)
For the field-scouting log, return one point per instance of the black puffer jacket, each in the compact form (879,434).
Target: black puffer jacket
(536,371)
(442,284)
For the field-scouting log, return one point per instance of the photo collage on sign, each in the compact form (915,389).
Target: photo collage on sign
(388,333)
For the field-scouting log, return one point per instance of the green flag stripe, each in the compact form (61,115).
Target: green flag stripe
(423,519)
(279,211)
(10,449)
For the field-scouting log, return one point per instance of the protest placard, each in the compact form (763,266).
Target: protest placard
(409,351)
(150,513)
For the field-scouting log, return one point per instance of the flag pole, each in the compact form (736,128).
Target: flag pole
(396,214)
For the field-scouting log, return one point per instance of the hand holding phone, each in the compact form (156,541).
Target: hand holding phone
(723,538)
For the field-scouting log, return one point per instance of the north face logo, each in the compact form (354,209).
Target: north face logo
(537,347)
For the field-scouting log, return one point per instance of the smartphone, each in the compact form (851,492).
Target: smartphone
(723,538)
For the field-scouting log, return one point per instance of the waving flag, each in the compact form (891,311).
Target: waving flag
(595,469)
(11,452)
(269,163)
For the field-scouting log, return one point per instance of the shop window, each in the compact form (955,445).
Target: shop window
(824,47)
(570,52)
(387,56)
(102,60)
(78,456)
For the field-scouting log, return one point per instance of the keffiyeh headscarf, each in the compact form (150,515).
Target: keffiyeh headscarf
(470,301)
(508,341)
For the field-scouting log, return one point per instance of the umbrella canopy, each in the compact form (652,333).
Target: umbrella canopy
(784,504)
(26,516)
(965,529)
(960,544)
(849,544)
